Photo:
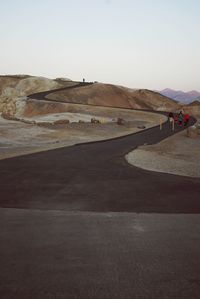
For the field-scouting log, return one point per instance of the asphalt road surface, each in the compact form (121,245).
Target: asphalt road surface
(80,222)
(96,177)
(60,254)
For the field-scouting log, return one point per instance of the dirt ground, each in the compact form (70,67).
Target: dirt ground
(178,155)
(18,138)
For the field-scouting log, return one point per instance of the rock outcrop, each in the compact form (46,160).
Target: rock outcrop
(14,89)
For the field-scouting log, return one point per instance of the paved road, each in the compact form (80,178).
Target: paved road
(96,177)
(58,254)
(79,222)
(43,95)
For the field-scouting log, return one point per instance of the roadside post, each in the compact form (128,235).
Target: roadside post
(172,124)
(160,123)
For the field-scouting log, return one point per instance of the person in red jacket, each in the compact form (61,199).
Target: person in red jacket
(186,119)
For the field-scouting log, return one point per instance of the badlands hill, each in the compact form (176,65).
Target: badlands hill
(195,103)
(15,89)
(192,109)
(115,96)
(22,85)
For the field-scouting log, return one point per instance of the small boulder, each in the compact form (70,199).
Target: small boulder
(61,122)
(192,132)
(120,121)
(8,115)
(95,121)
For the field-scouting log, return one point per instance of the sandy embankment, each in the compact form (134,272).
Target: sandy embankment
(178,155)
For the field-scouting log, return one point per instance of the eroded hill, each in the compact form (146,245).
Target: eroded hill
(115,96)
(14,101)
(15,88)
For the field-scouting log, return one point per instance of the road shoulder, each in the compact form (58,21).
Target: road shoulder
(177,154)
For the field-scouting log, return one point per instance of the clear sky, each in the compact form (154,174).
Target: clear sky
(137,43)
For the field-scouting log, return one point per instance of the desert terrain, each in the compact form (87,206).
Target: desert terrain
(19,137)
(79,221)
(178,154)
(34,119)
(63,118)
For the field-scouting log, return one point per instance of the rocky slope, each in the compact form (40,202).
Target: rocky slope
(115,96)
(22,85)
(15,88)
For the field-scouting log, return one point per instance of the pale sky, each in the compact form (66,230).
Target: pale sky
(136,43)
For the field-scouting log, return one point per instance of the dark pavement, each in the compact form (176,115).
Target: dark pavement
(80,222)
(58,254)
(96,177)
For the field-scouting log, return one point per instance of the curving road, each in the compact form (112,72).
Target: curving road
(96,177)
(42,96)
(80,222)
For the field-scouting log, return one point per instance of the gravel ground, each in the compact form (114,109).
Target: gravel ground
(71,117)
(178,155)
(18,138)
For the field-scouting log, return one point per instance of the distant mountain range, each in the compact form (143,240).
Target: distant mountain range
(181,96)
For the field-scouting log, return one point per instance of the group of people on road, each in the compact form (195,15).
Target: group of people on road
(180,118)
